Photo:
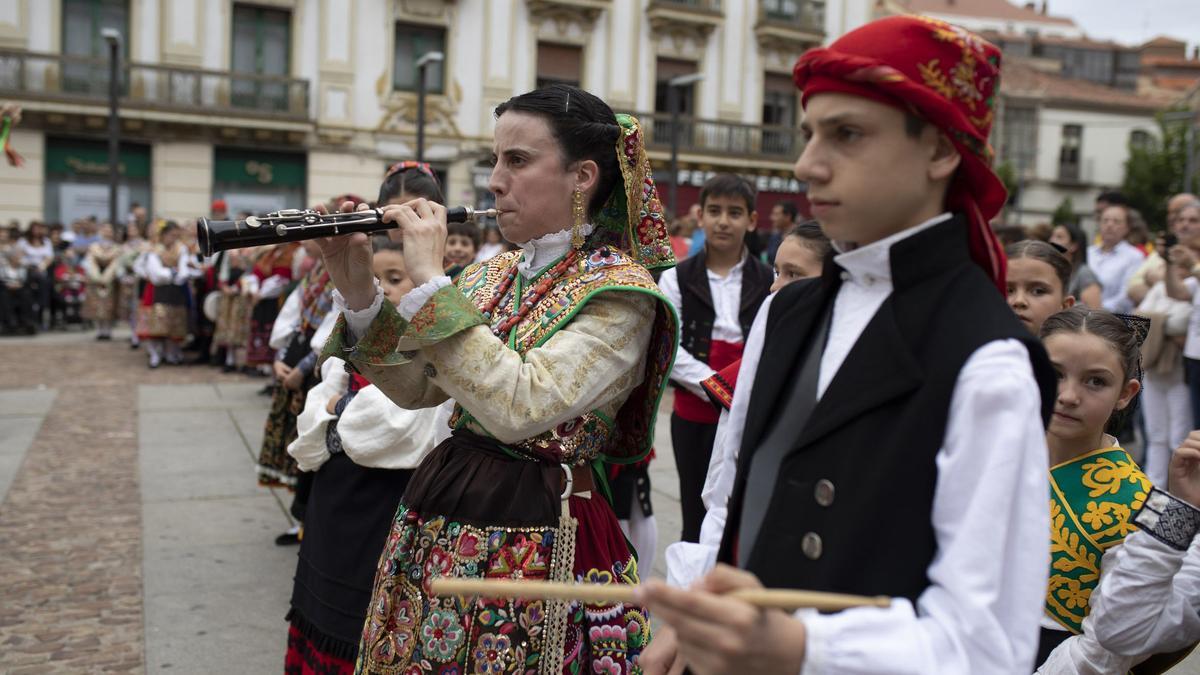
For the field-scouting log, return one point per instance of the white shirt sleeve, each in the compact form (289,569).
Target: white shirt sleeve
(1150,597)
(359,321)
(980,612)
(287,322)
(688,371)
(686,561)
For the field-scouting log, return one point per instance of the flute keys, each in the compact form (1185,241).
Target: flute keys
(253,222)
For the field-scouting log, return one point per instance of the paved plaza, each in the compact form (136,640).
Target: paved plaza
(133,536)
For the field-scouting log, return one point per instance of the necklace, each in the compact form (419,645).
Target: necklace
(531,298)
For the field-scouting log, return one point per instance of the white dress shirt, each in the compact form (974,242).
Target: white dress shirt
(1114,269)
(159,274)
(980,613)
(726,294)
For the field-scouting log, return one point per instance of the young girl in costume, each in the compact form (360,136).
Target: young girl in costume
(1038,277)
(162,316)
(233,309)
(102,265)
(1095,486)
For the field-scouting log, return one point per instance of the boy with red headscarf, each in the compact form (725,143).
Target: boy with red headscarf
(892,441)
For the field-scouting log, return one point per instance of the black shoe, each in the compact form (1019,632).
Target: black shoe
(133,345)
(288,539)
(227,368)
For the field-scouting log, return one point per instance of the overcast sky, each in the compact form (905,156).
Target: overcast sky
(1132,21)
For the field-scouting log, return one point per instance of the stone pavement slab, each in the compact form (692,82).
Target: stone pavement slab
(216,587)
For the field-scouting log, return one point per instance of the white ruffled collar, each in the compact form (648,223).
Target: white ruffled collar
(537,254)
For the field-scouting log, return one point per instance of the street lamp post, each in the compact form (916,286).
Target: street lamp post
(673,87)
(113,38)
(423,63)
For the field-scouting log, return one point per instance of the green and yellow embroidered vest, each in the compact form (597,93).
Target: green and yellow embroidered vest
(618,432)
(1092,499)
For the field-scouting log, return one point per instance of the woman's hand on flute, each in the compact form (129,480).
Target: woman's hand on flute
(423,226)
(719,634)
(348,259)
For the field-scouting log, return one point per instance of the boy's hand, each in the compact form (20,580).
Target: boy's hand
(717,634)
(282,370)
(294,379)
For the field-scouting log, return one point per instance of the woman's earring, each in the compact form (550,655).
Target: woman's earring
(580,216)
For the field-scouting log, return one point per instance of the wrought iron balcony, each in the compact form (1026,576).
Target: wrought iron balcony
(728,139)
(76,79)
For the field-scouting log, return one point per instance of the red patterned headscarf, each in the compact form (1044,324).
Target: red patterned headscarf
(946,75)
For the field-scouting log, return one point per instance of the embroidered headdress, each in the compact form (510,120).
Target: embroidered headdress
(947,76)
(632,218)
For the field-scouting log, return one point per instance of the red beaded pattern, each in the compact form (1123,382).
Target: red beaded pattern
(532,297)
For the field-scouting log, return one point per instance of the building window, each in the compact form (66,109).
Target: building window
(259,181)
(83,20)
(262,41)
(1139,140)
(668,69)
(413,42)
(1018,139)
(809,12)
(779,110)
(559,64)
(1069,154)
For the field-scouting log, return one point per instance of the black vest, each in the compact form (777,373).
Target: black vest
(698,314)
(850,511)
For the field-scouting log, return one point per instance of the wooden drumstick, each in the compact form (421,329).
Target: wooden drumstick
(604,594)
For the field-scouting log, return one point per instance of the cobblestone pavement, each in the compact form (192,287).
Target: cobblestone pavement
(70,524)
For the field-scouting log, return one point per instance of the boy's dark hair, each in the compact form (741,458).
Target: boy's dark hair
(1113,330)
(468,230)
(729,185)
(382,242)
(412,182)
(811,236)
(1113,197)
(584,126)
(788,208)
(1035,249)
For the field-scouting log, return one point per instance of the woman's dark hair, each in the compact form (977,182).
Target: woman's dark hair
(468,230)
(584,126)
(1045,252)
(1110,328)
(1080,240)
(412,182)
(811,236)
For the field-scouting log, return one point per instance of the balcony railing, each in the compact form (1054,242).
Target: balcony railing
(803,15)
(79,79)
(715,137)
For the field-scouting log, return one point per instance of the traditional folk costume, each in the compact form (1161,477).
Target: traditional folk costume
(361,458)
(557,358)
(232,330)
(715,314)
(307,306)
(884,445)
(162,315)
(269,280)
(102,266)
(1092,501)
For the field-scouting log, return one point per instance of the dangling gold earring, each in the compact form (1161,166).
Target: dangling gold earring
(580,216)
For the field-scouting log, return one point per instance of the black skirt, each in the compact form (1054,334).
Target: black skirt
(348,516)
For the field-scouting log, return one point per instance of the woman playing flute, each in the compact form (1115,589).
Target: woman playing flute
(556,355)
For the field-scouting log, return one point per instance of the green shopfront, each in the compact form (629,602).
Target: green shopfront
(77,179)
(259,181)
